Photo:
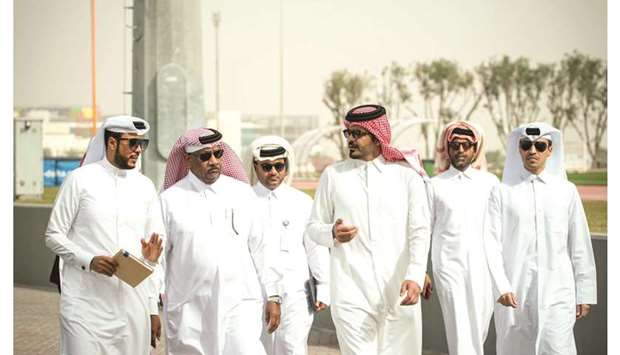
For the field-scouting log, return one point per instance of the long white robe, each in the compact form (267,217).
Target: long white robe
(388,204)
(538,246)
(461,275)
(99,210)
(213,302)
(288,212)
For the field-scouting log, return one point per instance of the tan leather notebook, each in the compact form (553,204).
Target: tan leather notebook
(131,269)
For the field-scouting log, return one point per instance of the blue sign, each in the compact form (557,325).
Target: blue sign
(55,170)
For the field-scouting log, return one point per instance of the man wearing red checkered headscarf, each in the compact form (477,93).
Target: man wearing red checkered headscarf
(219,266)
(372,212)
(458,200)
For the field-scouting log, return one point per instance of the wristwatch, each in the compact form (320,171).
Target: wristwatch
(275,299)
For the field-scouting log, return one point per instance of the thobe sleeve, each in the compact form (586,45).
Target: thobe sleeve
(581,254)
(418,230)
(493,244)
(321,222)
(156,280)
(318,261)
(264,253)
(65,210)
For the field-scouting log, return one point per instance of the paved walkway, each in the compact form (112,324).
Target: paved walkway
(35,325)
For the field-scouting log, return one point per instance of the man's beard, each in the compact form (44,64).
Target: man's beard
(120,162)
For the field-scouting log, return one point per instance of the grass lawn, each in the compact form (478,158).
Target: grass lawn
(596,211)
(589,178)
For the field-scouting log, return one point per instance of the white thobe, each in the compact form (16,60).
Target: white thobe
(213,302)
(99,210)
(462,279)
(538,246)
(387,203)
(288,211)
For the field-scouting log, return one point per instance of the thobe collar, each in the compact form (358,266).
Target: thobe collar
(377,163)
(543,177)
(200,186)
(113,169)
(262,191)
(455,173)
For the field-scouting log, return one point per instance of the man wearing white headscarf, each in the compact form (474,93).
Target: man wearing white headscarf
(303,263)
(459,195)
(219,266)
(372,212)
(104,206)
(538,247)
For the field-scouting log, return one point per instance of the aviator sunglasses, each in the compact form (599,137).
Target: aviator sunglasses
(355,134)
(207,155)
(526,144)
(268,166)
(135,142)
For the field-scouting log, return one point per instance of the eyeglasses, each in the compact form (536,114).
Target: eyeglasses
(456,145)
(526,144)
(353,133)
(268,166)
(207,155)
(135,142)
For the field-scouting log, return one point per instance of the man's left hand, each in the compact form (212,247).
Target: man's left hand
(272,316)
(582,310)
(319,306)
(152,249)
(411,291)
(155,329)
(428,287)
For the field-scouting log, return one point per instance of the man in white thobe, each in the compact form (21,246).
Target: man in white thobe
(459,195)
(304,265)
(538,247)
(372,212)
(215,252)
(104,206)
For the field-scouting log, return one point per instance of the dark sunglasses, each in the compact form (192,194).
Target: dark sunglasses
(207,155)
(526,144)
(135,142)
(355,134)
(466,145)
(268,166)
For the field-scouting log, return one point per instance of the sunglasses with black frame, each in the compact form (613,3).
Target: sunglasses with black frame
(135,142)
(540,146)
(454,145)
(207,155)
(268,166)
(353,133)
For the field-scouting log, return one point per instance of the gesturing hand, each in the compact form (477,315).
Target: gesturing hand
(151,250)
(343,233)
(104,265)
(508,300)
(411,291)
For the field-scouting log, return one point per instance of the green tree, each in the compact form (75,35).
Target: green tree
(448,93)
(344,90)
(512,91)
(577,97)
(393,89)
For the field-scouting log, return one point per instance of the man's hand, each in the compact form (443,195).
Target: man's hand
(428,287)
(151,250)
(104,265)
(272,316)
(155,329)
(319,306)
(411,291)
(343,233)
(508,300)
(582,310)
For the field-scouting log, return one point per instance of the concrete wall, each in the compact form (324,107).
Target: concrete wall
(33,261)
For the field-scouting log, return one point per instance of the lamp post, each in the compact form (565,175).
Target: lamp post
(216,23)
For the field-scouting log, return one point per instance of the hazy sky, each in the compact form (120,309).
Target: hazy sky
(320,36)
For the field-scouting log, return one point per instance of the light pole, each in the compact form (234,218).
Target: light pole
(216,24)
(281,106)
